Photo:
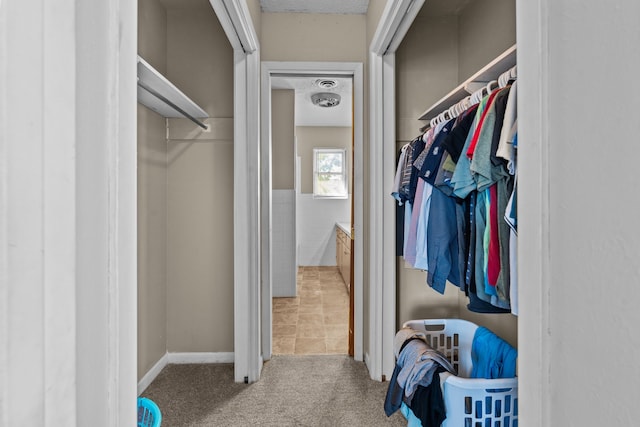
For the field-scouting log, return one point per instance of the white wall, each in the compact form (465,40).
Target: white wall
(67,213)
(316,220)
(578,208)
(284,243)
(38,323)
(106,207)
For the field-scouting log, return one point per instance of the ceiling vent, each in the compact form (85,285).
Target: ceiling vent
(326,83)
(325,99)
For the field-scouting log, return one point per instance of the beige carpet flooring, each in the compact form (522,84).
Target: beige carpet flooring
(316,321)
(310,381)
(326,391)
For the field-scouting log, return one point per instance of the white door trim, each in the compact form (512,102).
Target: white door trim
(68,213)
(38,214)
(394,23)
(266,222)
(354,69)
(534,186)
(236,21)
(534,237)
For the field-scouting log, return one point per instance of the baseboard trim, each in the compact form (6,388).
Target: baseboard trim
(152,373)
(201,357)
(181,359)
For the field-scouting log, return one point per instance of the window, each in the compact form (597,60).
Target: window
(329,173)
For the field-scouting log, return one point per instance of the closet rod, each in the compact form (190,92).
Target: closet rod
(174,106)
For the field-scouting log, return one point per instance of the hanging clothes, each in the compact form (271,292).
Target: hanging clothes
(458,181)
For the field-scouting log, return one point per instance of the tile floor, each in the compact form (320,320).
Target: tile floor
(317,320)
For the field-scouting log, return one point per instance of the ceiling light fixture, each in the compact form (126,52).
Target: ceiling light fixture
(325,99)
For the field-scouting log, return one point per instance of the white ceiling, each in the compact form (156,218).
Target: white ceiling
(316,6)
(307,114)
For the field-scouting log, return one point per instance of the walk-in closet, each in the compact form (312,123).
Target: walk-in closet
(448,43)
(456,235)
(185,187)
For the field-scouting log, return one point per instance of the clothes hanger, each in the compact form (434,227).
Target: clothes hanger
(503,79)
(466,103)
(453,113)
(484,91)
(474,97)
(478,95)
(462,105)
(492,83)
(456,109)
(507,76)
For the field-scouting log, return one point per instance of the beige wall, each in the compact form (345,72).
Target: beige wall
(487,28)
(200,188)
(418,301)
(422,77)
(282,139)
(185,239)
(458,46)
(313,37)
(374,12)
(152,33)
(256,16)
(200,246)
(152,198)
(310,137)
(424,72)
(200,59)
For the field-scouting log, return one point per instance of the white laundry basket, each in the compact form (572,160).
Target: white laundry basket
(469,402)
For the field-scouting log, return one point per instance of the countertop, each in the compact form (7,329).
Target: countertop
(345,226)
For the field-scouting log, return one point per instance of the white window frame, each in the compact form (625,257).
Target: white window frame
(343,173)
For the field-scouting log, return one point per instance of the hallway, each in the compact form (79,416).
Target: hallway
(326,391)
(317,320)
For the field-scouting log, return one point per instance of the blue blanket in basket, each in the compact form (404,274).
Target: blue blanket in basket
(492,356)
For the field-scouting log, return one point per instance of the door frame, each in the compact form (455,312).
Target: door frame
(348,69)
(394,23)
(237,24)
(534,237)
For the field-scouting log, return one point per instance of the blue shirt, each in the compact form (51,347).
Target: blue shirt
(442,242)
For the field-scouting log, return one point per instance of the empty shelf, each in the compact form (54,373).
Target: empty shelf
(163,97)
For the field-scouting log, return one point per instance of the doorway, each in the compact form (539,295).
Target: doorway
(312,194)
(273,72)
